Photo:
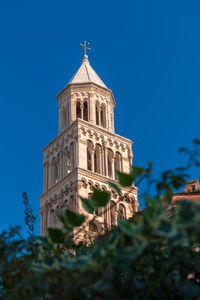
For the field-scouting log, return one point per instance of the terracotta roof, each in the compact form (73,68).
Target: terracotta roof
(193,196)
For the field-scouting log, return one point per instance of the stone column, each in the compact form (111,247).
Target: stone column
(92,109)
(130,157)
(47,174)
(77,150)
(113,168)
(105,159)
(99,112)
(41,222)
(72,108)
(60,118)
(81,107)
(100,162)
(115,218)
(44,231)
(74,153)
(50,174)
(44,176)
(61,164)
(92,160)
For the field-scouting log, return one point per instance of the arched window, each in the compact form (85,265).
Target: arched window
(67,113)
(97,114)
(68,162)
(78,110)
(110,159)
(93,227)
(113,213)
(118,164)
(89,155)
(72,156)
(121,212)
(63,118)
(55,171)
(103,116)
(85,111)
(98,211)
(97,159)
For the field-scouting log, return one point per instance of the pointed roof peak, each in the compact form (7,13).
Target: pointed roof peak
(86,74)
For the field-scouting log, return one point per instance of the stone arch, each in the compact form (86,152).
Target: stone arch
(63,117)
(78,109)
(95,226)
(54,170)
(97,107)
(85,110)
(113,213)
(110,157)
(103,115)
(68,113)
(90,155)
(121,212)
(118,164)
(98,159)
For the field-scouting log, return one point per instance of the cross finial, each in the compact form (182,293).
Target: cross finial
(85,47)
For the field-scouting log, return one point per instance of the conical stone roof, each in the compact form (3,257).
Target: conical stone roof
(86,74)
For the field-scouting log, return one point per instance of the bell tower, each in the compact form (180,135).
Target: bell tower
(86,153)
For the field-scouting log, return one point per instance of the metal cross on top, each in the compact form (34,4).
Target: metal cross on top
(85,47)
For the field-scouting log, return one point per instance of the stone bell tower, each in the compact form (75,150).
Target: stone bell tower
(86,153)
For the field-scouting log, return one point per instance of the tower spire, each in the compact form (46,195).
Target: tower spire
(85,48)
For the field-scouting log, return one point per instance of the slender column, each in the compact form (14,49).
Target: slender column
(100,162)
(113,168)
(48,217)
(77,151)
(47,166)
(72,108)
(105,160)
(92,160)
(50,174)
(44,176)
(60,118)
(99,112)
(115,218)
(92,108)
(81,107)
(130,160)
(45,221)
(61,165)
(41,222)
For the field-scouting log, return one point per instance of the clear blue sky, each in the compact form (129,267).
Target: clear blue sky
(147,52)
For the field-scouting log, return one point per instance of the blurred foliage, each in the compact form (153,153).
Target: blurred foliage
(147,257)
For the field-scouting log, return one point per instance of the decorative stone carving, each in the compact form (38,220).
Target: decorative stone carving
(79,144)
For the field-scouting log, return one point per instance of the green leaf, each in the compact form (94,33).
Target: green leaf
(168,194)
(149,169)
(56,235)
(100,198)
(136,172)
(115,186)
(182,149)
(87,204)
(196,264)
(125,179)
(196,141)
(160,186)
(73,218)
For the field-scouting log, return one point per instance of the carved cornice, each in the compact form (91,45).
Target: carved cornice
(102,179)
(75,127)
(72,176)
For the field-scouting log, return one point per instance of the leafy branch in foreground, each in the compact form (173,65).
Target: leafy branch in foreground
(30,217)
(147,257)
